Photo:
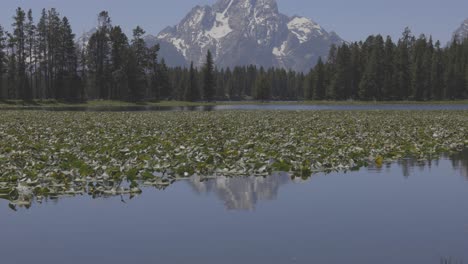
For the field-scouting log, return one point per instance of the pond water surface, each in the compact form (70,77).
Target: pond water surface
(405,212)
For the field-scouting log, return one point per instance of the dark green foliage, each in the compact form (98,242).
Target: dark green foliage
(2,59)
(192,91)
(119,57)
(19,42)
(372,80)
(262,87)
(164,83)
(319,78)
(98,51)
(342,80)
(209,78)
(153,69)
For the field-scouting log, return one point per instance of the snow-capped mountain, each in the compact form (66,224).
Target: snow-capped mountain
(462,31)
(243,32)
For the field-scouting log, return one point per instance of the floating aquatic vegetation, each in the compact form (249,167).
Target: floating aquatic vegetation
(52,154)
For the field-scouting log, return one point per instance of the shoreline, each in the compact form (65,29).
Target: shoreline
(109,103)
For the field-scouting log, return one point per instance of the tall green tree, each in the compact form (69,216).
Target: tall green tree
(421,68)
(19,39)
(309,89)
(119,55)
(54,52)
(165,85)
(262,87)
(320,81)
(191,91)
(389,84)
(403,66)
(372,80)
(153,68)
(330,70)
(68,67)
(138,57)
(208,77)
(30,29)
(12,68)
(342,81)
(41,55)
(3,57)
(437,73)
(98,50)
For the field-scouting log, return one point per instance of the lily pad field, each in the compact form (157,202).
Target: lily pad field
(52,154)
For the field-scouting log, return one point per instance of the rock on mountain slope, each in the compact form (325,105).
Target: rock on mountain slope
(243,32)
(462,31)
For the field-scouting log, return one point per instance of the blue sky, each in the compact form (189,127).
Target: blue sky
(351,19)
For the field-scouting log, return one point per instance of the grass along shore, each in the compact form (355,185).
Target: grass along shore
(8,104)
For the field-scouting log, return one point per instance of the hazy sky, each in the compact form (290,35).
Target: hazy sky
(351,19)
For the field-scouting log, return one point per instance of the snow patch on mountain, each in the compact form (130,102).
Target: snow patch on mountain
(180,45)
(303,28)
(221,26)
(281,51)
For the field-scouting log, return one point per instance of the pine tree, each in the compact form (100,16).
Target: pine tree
(153,72)
(388,88)
(54,53)
(421,72)
(320,83)
(12,68)
(2,59)
(437,73)
(330,73)
(262,87)
(69,68)
(356,69)
(119,51)
(209,81)
(372,80)
(309,89)
(220,84)
(30,29)
(98,51)
(164,81)
(138,52)
(19,34)
(403,66)
(41,55)
(191,92)
(342,81)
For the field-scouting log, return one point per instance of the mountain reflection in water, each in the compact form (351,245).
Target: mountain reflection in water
(243,193)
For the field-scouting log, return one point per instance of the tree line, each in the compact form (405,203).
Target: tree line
(379,69)
(44,61)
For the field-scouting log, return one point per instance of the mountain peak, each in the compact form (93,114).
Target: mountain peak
(242,32)
(462,31)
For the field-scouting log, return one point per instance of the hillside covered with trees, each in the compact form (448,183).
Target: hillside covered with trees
(43,61)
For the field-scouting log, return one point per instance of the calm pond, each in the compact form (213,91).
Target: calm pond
(290,107)
(405,212)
